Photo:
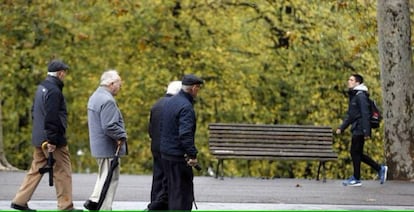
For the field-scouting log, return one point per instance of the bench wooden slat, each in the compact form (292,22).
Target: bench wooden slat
(214,141)
(264,126)
(271,145)
(278,158)
(264,149)
(223,152)
(271,137)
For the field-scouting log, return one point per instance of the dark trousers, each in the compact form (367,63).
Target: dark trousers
(159,195)
(358,156)
(180,185)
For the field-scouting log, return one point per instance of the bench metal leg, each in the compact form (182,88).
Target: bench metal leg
(319,170)
(321,164)
(220,167)
(217,169)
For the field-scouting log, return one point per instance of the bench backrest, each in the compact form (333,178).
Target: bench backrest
(260,141)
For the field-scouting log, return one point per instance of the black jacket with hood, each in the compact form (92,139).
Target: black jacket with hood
(358,114)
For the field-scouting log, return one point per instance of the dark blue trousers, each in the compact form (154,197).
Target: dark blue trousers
(159,190)
(180,185)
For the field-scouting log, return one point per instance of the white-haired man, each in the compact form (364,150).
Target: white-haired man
(106,132)
(159,197)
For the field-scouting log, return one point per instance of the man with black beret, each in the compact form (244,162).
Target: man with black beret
(57,65)
(191,79)
(49,135)
(178,150)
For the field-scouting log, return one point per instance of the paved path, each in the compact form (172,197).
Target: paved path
(232,193)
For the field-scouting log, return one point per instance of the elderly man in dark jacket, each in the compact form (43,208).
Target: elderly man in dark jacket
(49,129)
(178,150)
(358,116)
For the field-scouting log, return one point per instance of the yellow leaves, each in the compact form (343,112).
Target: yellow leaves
(342,4)
(82,17)
(142,45)
(82,36)
(120,12)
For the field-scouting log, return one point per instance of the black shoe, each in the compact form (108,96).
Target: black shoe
(157,205)
(20,207)
(90,205)
(75,210)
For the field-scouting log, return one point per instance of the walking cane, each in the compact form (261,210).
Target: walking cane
(107,183)
(198,168)
(49,165)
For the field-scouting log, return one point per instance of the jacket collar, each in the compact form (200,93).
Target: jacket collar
(55,81)
(187,96)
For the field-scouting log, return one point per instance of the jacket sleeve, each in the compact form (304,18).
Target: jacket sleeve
(345,123)
(348,118)
(53,126)
(187,131)
(150,127)
(351,116)
(112,121)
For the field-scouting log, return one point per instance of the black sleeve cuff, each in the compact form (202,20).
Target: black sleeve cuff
(192,156)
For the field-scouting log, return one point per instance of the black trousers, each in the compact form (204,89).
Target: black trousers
(358,156)
(180,185)
(159,190)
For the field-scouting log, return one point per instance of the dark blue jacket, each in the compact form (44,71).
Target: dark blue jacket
(358,114)
(154,130)
(49,113)
(178,127)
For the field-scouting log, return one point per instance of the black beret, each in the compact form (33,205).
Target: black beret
(57,65)
(191,79)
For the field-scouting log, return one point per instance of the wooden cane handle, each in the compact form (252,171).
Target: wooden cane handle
(44,145)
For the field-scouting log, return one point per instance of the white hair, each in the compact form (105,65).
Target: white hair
(109,77)
(187,88)
(54,74)
(174,87)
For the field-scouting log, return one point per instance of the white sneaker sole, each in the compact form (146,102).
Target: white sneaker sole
(385,175)
(351,185)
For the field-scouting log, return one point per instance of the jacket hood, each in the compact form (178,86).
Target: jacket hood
(361,87)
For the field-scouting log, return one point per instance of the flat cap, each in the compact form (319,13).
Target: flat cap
(191,79)
(57,65)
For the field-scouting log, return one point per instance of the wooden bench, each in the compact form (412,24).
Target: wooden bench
(271,142)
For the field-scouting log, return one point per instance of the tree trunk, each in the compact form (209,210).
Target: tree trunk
(397,77)
(4,164)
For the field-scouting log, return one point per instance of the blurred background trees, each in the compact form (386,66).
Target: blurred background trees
(264,61)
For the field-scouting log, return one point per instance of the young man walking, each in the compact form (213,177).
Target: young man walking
(358,116)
